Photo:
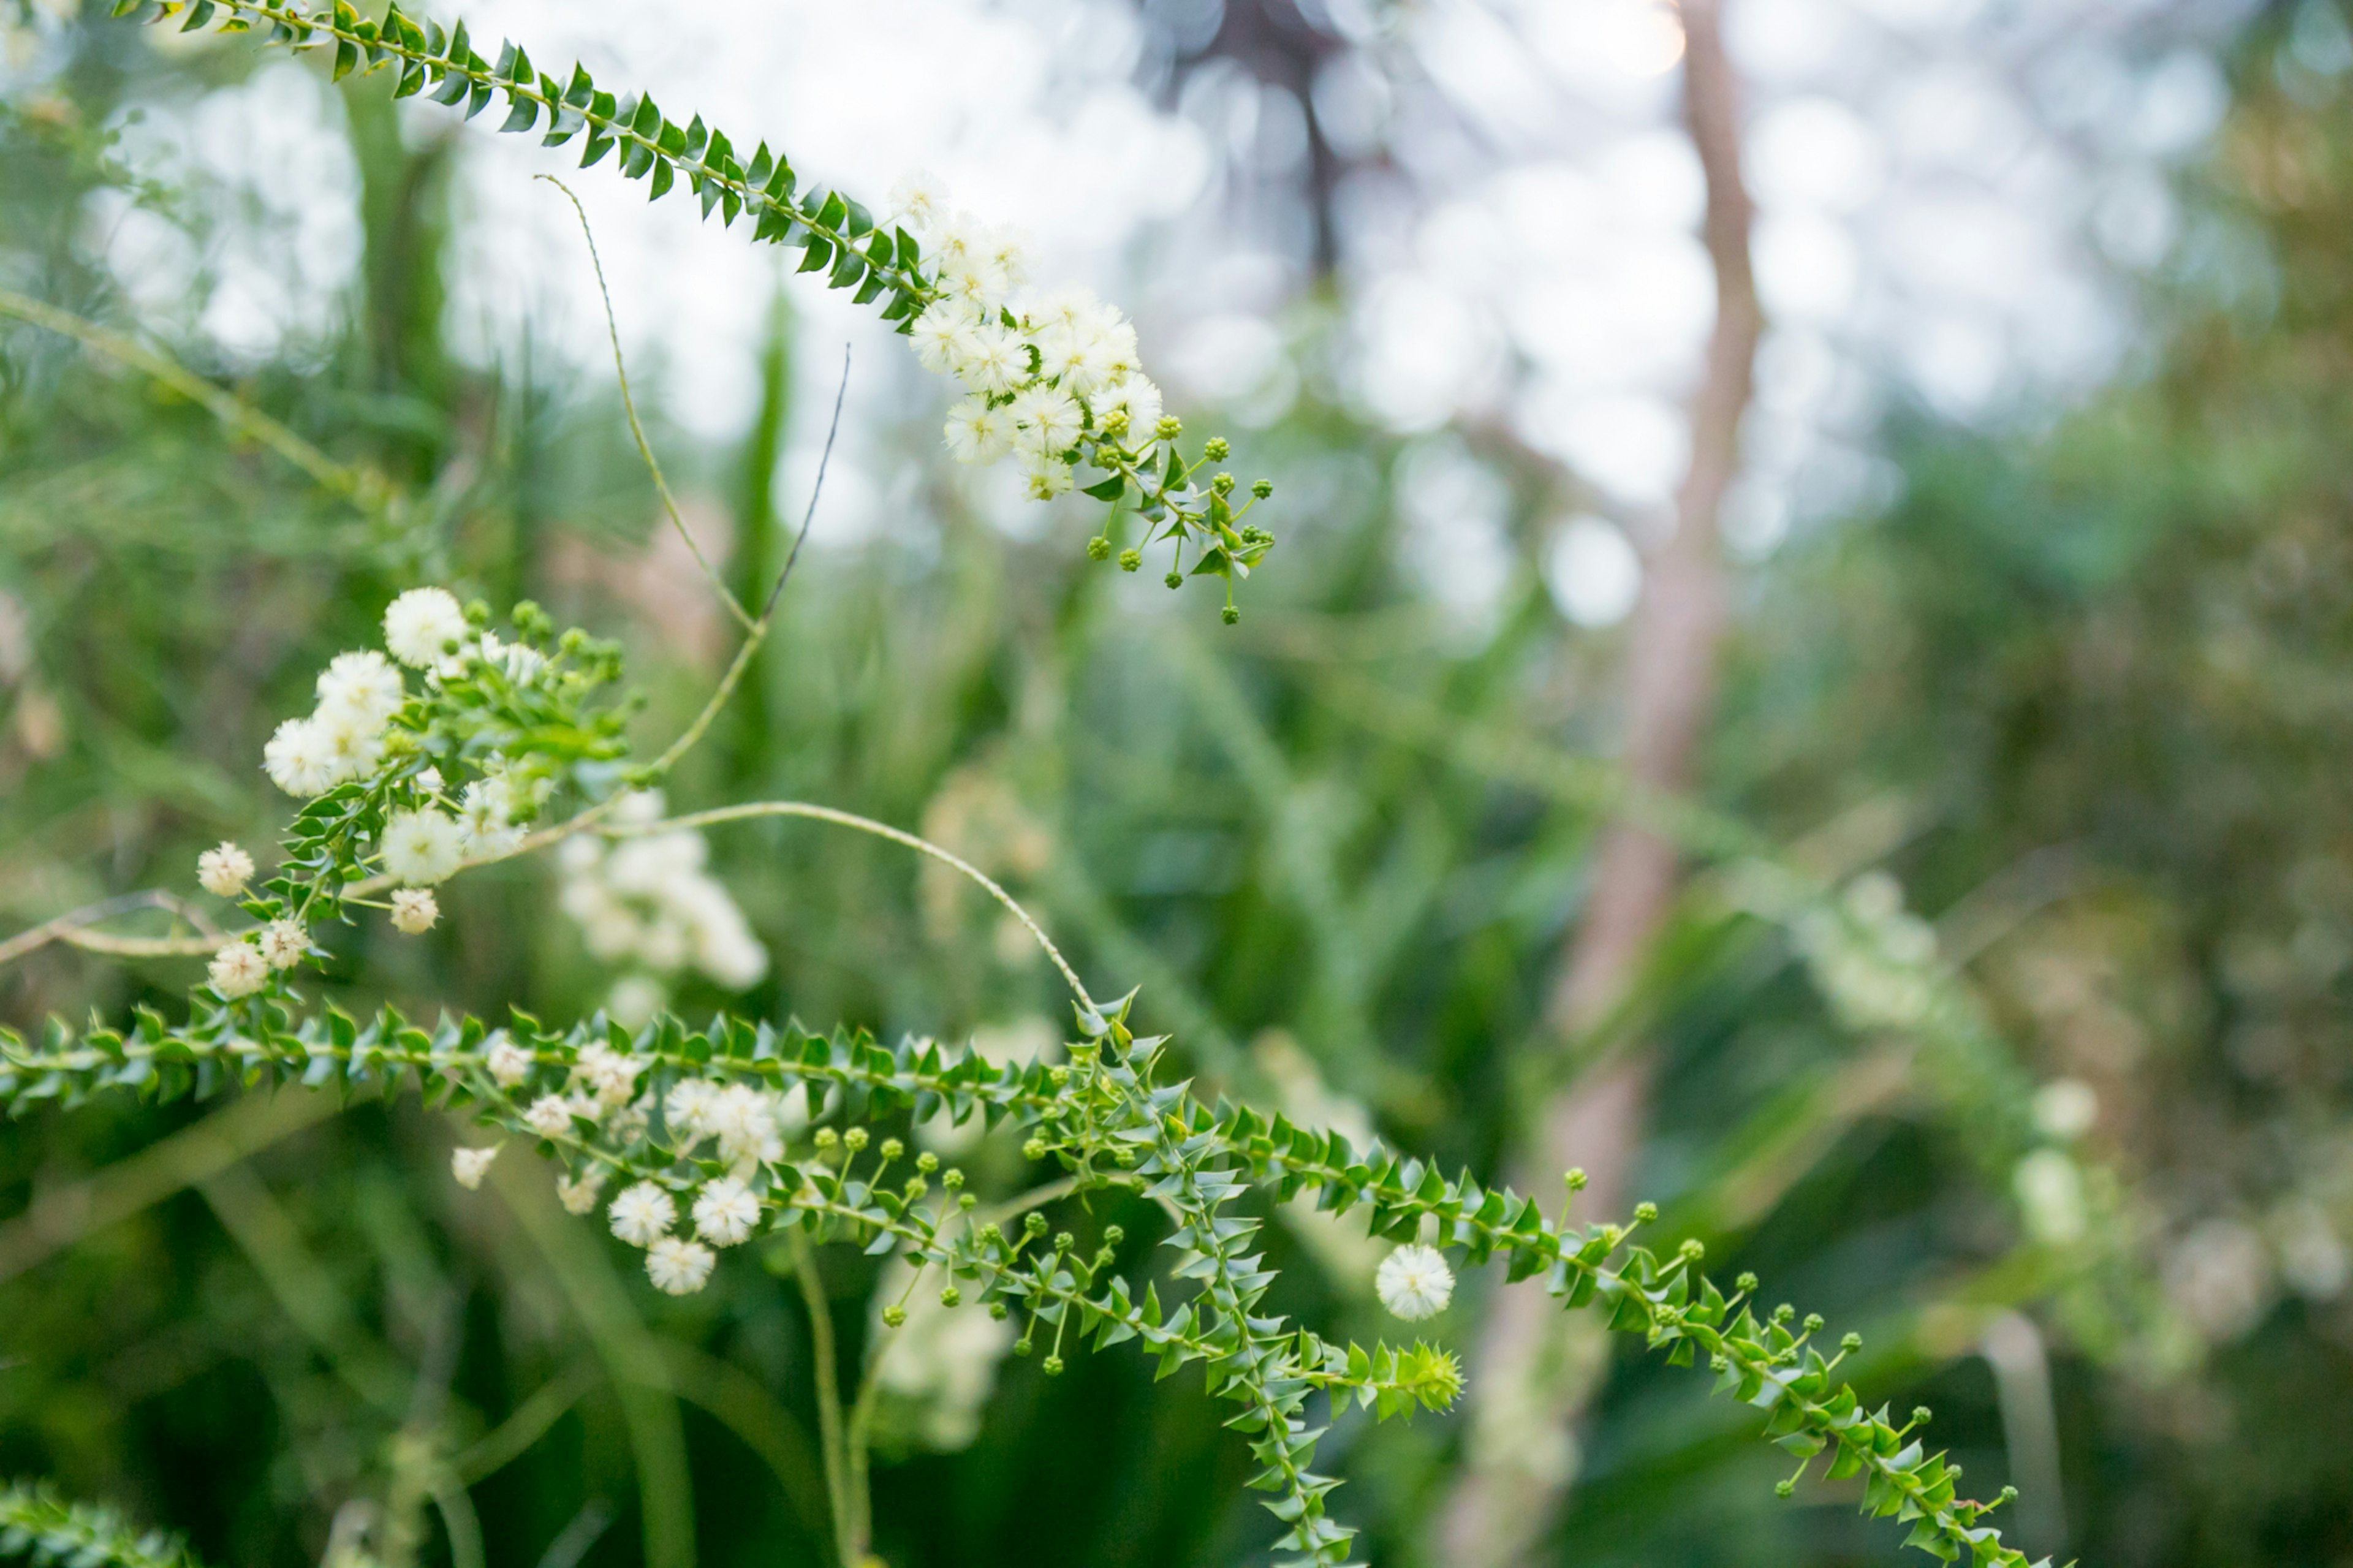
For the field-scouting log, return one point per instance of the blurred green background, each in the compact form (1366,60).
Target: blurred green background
(2073,671)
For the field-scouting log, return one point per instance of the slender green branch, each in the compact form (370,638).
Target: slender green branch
(848,1542)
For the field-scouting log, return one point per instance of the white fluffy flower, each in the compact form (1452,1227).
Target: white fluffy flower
(483,830)
(352,745)
(1046,477)
(470,1165)
(919,200)
(743,1119)
(635,999)
(942,336)
(509,1064)
(224,871)
(422,845)
(414,911)
(641,1214)
(1048,418)
(995,360)
(679,1268)
(1414,1282)
(363,687)
(300,758)
(687,1108)
(611,1077)
(725,1211)
(1139,401)
(422,626)
(238,970)
(977,432)
(283,943)
(972,260)
(549,1116)
(578,1196)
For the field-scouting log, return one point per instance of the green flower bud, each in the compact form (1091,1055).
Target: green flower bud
(927,1161)
(1034,1222)
(1174,579)
(1113,1235)
(1064,1241)
(1223,484)
(1745,1283)
(1169,427)
(1261,488)
(1784,1488)
(827,1138)
(952,1180)
(997,1311)
(1098,548)
(1052,1367)
(854,1140)
(1129,560)
(1034,1150)
(1215,448)
(1814,1322)
(1920,1416)
(1022,1346)
(893,1315)
(892,1148)
(1576,1178)
(1645,1213)
(1851,1343)
(951,1297)
(1231,615)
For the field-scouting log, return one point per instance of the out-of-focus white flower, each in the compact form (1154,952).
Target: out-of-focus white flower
(1414,1282)
(726,1212)
(224,871)
(484,832)
(610,1075)
(300,758)
(1047,419)
(635,999)
(649,899)
(2065,1107)
(919,200)
(2220,1275)
(677,1267)
(941,1362)
(549,1116)
(2050,1191)
(362,689)
(1044,478)
(994,360)
(977,432)
(414,911)
(642,1213)
(470,1165)
(283,943)
(942,336)
(423,626)
(578,1195)
(422,846)
(238,970)
(510,1064)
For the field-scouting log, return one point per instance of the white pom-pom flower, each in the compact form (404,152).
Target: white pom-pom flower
(238,970)
(549,1116)
(414,911)
(283,943)
(510,1064)
(578,1195)
(677,1267)
(422,846)
(726,1212)
(422,626)
(470,1165)
(363,687)
(1414,1282)
(642,1214)
(224,871)
(300,758)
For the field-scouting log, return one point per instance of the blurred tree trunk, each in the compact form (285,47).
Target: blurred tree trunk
(1535,1365)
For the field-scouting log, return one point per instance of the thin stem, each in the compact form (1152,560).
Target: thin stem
(629,406)
(848,1544)
(880,830)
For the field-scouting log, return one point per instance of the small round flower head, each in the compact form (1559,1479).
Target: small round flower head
(641,1214)
(350,745)
(549,1116)
(422,846)
(300,758)
(422,626)
(1138,400)
(238,970)
(1048,418)
(1046,477)
(977,432)
(224,871)
(724,1212)
(363,687)
(578,1195)
(942,336)
(470,1165)
(687,1109)
(484,832)
(414,911)
(283,943)
(1414,1282)
(610,1075)
(993,359)
(972,260)
(510,1064)
(677,1267)
(919,200)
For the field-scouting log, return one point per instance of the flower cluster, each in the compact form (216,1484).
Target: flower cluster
(647,899)
(1054,377)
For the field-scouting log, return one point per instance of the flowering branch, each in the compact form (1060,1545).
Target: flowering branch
(1054,376)
(34,1522)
